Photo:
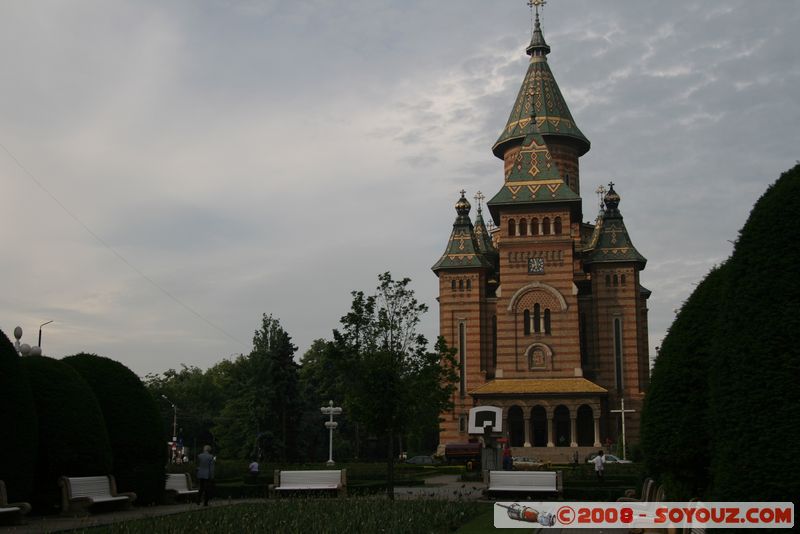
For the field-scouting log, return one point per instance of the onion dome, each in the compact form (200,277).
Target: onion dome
(610,241)
(463,250)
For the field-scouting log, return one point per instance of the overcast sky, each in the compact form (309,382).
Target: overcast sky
(255,157)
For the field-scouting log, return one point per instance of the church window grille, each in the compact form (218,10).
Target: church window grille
(462,359)
(547,320)
(534,226)
(546,226)
(526,322)
(557,226)
(537,318)
(618,353)
(512,227)
(523,227)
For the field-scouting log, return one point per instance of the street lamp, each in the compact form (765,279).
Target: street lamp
(331,410)
(174,427)
(23,349)
(40,332)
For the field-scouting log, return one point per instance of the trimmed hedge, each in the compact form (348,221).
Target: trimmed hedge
(754,394)
(72,434)
(18,425)
(133,423)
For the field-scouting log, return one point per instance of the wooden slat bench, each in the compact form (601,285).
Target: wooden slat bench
(11,512)
(179,485)
(525,482)
(319,480)
(78,494)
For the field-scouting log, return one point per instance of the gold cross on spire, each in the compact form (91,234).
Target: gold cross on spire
(534,4)
(463,192)
(478,199)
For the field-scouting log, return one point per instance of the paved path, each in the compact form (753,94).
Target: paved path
(443,487)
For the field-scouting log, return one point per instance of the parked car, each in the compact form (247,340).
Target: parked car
(522,463)
(610,459)
(422,460)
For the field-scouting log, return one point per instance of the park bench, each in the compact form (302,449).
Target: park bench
(525,482)
(78,494)
(647,494)
(11,512)
(179,485)
(319,480)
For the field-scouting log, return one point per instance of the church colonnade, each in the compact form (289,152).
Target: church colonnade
(551,424)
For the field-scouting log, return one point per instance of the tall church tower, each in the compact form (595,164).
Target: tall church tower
(547,314)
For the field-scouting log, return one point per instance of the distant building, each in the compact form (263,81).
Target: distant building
(546,312)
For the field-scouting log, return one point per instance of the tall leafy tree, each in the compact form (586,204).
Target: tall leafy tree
(262,411)
(392,380)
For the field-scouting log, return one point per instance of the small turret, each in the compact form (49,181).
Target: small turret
(463,250)
(610,241)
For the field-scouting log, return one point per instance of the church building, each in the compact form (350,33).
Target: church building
(546,312)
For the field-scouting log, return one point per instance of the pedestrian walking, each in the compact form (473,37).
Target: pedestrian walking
(205,475)
(599,463)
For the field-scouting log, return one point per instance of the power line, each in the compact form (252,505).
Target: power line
(119,256)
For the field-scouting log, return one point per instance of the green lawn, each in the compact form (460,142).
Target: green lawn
(360,515)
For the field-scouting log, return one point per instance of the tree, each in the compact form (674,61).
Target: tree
(18,424)
(392,381)
(263,409)
(133,423)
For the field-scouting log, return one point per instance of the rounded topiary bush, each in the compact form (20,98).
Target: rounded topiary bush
(72,433)
(133,422)
(18,425)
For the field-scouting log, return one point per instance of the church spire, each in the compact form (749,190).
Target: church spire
(610,241)
(463,250)
(539,103)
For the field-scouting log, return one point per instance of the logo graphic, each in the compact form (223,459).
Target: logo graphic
(517,512)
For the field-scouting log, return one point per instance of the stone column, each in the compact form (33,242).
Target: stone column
(550,430)
(527,419)
(573,430)
(597,432)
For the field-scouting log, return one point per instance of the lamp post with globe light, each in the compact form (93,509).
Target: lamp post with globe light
(23,349)
(331,410)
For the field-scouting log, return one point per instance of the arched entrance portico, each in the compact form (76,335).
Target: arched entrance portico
(516,426)
(562,426)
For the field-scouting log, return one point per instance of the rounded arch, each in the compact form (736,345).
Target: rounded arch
(534,286)
(523,226)
(539,422)
(557,226)
(562,426)
(516,426)
(512,227)
(585,426)
(539,356)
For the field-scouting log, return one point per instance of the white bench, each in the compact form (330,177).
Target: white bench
(12,512)
(179,485)
(525,481)
(310,481)
(79,493)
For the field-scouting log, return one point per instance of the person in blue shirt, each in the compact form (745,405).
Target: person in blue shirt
(205,474)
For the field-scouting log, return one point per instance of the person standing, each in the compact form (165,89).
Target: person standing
(599,463)
(253,469)
(205,474)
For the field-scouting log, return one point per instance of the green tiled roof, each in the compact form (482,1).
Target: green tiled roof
(463,250)
(610,241)
(533,178)
(539,103)
(485,244)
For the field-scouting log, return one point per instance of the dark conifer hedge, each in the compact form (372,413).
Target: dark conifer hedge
(18,425)
(724,393)
(755,388)
(72,434)
(133,422)
(675,431)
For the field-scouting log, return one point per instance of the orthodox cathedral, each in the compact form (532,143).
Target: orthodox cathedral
(546,312)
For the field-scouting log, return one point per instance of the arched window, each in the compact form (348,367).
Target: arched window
(460,284)
(547,320)
(546,226)
(616,280)
(512,227)
(622,279)
(469,284)
(557,226)
(526,322)
(453,285)
(537,318)
(534,226)
(523,227)
(608,281)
